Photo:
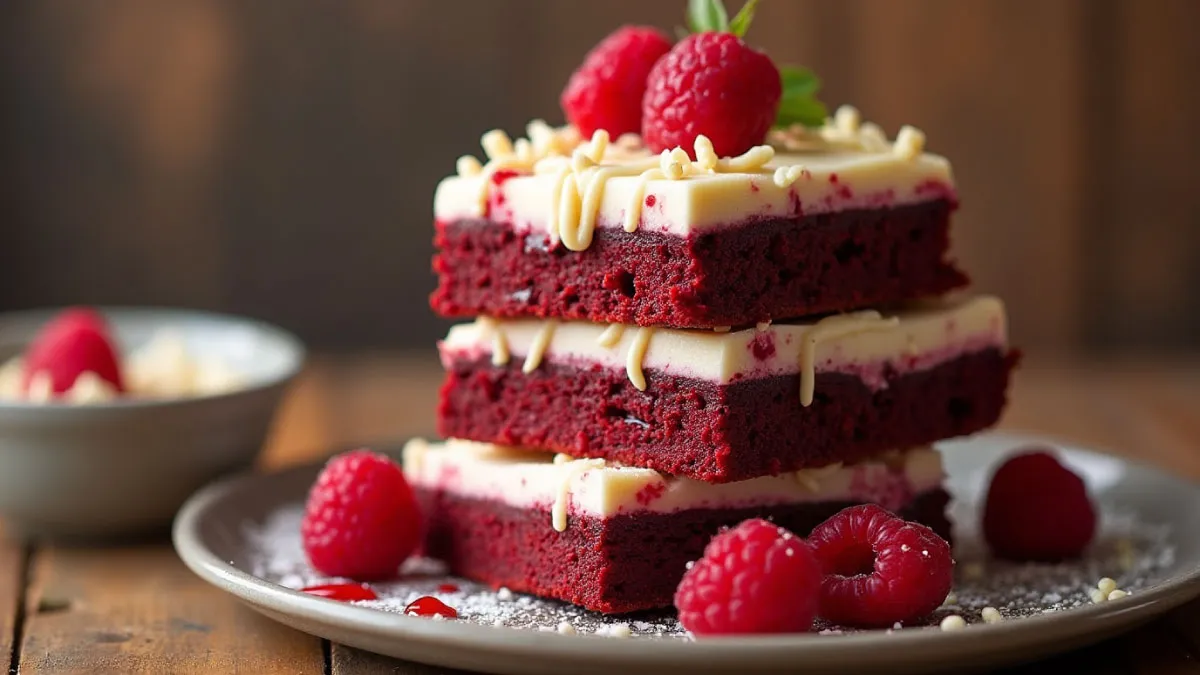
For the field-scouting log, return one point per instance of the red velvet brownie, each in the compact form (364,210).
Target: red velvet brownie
(722,407)
(835,220)
(617,539)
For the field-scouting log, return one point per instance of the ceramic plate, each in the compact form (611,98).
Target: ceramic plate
(240,535)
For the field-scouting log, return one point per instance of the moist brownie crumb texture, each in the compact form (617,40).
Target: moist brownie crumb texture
(658,347)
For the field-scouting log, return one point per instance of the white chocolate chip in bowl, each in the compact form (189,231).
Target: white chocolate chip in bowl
(203,390)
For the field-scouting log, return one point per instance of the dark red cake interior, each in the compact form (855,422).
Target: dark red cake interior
(726,276)
(624,563)
(719,433)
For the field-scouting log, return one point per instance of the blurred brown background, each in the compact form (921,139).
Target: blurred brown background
(278,158)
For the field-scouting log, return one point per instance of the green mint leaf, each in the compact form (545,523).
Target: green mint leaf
(804,110)
(799,82)
(799,103)
(707,15)
(741,21)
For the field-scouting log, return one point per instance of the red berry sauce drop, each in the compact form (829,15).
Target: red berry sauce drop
(343,592)
(447,588)
(427,605)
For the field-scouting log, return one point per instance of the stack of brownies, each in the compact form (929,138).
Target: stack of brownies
(663,346)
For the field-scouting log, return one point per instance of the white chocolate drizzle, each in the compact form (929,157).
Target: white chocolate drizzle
(538,349)
(836,326)
(500,352)
(847,131)
(637,354)
(576,468)
(611,336)
(581,173)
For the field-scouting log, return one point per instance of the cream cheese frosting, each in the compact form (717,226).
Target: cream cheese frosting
(531,479)
(868,345)
(560,184)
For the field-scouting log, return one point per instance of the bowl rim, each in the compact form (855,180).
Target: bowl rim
(287,339)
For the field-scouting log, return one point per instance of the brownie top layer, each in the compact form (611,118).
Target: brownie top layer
(556,182)
(532,479)
(866,344)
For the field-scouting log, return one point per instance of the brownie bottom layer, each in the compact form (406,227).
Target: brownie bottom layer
(621,564)
(733,276)
(719,433)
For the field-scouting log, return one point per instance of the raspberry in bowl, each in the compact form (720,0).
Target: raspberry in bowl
(111,418)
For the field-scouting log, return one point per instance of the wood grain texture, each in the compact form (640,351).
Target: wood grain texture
(350,661)
(137,609)
(1144,224)
(948,67)
(342,401)
(12,568)
(281,162)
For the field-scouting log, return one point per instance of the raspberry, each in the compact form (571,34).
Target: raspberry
(711,84)
(361,520)
(1037,509)
(606,91)
(755,578)
(74,342)
(879,569)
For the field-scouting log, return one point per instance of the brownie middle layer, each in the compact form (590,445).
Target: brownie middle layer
(719,433)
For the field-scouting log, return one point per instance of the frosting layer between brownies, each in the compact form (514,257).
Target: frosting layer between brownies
(558,183)
(868,345)
(532,479)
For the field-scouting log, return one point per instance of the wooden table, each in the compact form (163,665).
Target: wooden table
(136,609)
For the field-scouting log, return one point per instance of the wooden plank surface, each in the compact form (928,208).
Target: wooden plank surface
(137,609)
(12,569)
(350,661)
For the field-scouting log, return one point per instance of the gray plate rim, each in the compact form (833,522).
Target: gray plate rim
(444,643)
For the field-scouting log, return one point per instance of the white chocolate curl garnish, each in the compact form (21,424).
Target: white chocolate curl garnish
(582,170)
(847,131)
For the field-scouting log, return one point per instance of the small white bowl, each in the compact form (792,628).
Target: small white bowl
(125,467)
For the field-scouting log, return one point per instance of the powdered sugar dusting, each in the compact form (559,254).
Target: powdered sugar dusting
(1135,554)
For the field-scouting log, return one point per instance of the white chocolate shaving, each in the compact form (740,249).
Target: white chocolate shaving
(786,175)
(611,335)
(90,388)
(910,143)
(468,166)
(838,325)
(496,145)
(847,119)
(41,388)
(706,156)
(500,353)
(637,354)
(538,349)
